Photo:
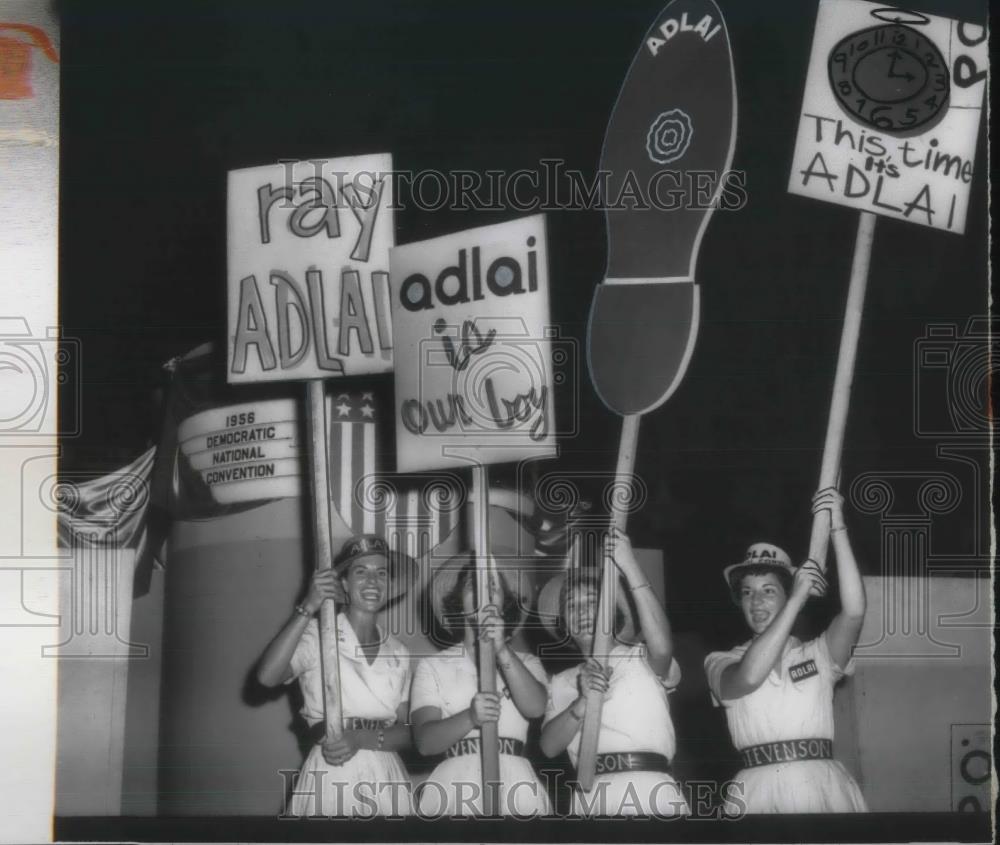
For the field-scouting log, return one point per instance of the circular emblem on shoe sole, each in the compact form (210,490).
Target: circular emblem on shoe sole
(669,136)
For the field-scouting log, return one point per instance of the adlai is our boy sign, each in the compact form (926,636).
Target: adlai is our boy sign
(473,349)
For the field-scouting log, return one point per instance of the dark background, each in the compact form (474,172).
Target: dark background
(160,100)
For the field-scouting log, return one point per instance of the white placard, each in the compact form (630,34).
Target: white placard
(308,280)
(245,452)
(891,113)
(470,314)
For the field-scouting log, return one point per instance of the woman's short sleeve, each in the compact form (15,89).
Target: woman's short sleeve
(562,693)
(672,679)
(425,690)
(534,665)
(715,664)
(306,654)
(825,660)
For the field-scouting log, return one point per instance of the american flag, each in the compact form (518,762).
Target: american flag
(413,512)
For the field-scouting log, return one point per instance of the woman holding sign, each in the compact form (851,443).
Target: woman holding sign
(448,709)
(777,690)
(361,773)
(636,741)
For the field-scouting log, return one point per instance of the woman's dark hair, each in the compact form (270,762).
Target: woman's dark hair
(736,578)
(453,610)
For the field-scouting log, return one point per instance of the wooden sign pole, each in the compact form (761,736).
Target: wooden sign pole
(316,442)
(833,448)
(607,605)
(489,737)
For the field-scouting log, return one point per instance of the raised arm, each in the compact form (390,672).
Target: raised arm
(274,667)
(527,693)
(845,629)
(739,679)
(652,617)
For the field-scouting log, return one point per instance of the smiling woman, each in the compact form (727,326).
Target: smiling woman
(636,744)
(777,690)
(358,773)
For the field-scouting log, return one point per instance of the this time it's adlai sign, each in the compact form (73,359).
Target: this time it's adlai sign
(309,269)
(891,113)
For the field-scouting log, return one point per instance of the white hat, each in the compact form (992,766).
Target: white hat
(760,554)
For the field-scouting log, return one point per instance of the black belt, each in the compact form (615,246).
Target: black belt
(317,733)
(786,751)
(631,761)
(470,745)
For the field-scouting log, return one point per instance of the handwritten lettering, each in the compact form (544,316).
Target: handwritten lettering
(503,413)
(301,322)
(459,359)
(315,207)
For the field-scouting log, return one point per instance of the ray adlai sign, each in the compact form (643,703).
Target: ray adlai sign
(473,365)
(891,113)
(309,269)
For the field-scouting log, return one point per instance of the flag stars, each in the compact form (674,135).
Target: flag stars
(368,412)
(343,409)
(368,397)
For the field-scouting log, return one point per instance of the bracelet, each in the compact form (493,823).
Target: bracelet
(381,739)
(841,528)
(301,611)
(639,587)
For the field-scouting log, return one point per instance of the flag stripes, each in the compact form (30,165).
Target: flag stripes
(413,512)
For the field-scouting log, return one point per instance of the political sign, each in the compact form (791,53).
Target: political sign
(308,269)
(674,123)
(669,145)
(470,318)
(245,452)
(891,113)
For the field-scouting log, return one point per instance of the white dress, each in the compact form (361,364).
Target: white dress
(371,782)
(635,717)
(794,702)
(448,681)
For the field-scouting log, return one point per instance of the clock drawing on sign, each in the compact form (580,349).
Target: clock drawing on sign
(891,77)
